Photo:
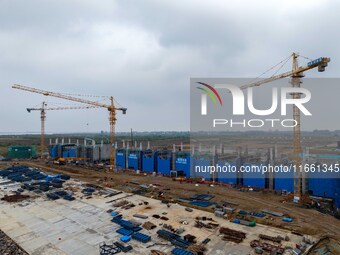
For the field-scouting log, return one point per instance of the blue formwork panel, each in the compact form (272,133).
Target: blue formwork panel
(324,187)
(133,160)
(163,164)
(284,180)
(182,163)
(72,153)
(148,161)
(253,176)
(201,168)
(124,232)
(227,175)
(337,199)
(54,151)
(178,251)
(141,237)
(121,158)
(337,192)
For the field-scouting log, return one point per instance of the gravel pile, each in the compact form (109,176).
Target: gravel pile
(9,247)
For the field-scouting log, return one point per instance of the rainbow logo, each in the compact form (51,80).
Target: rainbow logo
(210,92)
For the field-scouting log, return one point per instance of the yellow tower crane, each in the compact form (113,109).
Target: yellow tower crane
(296,74)
(110,107)
(43,110)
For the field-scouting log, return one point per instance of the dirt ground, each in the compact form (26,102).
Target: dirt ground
(308,221)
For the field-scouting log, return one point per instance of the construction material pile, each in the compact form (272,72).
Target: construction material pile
(267,247)
(232,235)
(274,239)
(15,198)
(208,225)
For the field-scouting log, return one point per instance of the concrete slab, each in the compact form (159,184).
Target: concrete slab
(78,227)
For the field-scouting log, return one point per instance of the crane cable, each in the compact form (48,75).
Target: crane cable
(280,67)
(283,62)
(99,101)
(83,95)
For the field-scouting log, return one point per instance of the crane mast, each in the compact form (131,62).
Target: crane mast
(110,107)
(296,83)
(296,74)
(42,138)
(43,110)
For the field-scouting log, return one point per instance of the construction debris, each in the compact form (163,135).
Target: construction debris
(209,225)
(15,198)
(122,247)
(121,203)
(190,238)
(197,248)
(140,216)
(149,225)
(206,241)
(113,194)
(173,238)
(156,216)
(130,195)
(204,218)
(106,249)
(157,244)
(156,252)
(267,247)
(277,239)
(188,209)
(128,206)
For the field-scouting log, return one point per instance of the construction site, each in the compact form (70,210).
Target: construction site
(137,194)
(169,127)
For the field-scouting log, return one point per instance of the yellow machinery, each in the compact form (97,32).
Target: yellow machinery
(110,107)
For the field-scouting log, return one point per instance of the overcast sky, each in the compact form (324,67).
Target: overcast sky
(143,53)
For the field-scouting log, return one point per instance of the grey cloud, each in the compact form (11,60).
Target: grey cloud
(144,53)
